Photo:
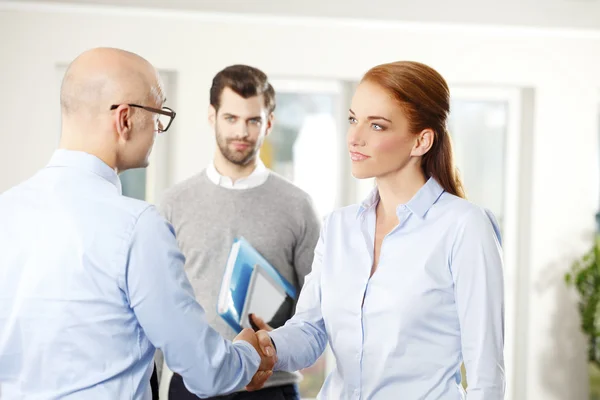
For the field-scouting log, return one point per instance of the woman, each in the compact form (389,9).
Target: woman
(407,285)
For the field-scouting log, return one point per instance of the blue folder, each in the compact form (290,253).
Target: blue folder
(249,277)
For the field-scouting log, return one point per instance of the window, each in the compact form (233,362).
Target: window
(486,128)
(593,370)
(478,131)
(307,128)
(310,125)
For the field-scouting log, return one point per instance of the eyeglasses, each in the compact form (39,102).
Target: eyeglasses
(165,115)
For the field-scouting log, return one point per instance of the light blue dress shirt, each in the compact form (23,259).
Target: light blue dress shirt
(90,283)
(435,300)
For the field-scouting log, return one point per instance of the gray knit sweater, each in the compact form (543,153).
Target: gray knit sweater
(277,218)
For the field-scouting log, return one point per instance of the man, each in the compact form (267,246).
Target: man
(91,281)
(236,195)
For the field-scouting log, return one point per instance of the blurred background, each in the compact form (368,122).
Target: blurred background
(525,120)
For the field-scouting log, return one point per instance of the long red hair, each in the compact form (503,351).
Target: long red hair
(424,97)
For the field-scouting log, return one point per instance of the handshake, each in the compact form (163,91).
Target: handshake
(261,341)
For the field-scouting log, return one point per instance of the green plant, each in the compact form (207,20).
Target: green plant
(585,276)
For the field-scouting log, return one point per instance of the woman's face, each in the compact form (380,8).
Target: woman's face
(379,138)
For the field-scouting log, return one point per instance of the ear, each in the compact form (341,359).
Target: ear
(212,116)
(270,122)
(123,122)
(423,143)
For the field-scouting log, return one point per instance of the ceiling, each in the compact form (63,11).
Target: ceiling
(581,14)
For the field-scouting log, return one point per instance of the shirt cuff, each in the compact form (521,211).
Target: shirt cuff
(248,354)
(278,339)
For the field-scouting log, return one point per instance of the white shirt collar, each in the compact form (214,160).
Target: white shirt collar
(420,203)
(256,178)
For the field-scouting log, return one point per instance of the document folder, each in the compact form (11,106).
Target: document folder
(251,285)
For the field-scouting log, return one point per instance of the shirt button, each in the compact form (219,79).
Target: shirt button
(358,356)
(356,393)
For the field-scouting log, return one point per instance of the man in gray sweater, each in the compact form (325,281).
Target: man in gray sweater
(236,195)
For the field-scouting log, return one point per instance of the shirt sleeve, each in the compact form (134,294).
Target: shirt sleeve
(302,340)
(476,265)
(164,209)
(165,306)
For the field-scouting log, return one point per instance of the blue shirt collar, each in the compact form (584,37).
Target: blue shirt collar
(87,162)
(420,203)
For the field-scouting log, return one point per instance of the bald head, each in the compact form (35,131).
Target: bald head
(101,77)
(122,136)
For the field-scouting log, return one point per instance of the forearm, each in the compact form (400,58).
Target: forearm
(479,293)
(299,344)
(302,340)
(164,304)
(221,372)
(209,364)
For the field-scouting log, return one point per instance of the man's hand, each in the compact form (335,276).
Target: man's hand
(266,343)
(266,347)
(267,358)
(259,323)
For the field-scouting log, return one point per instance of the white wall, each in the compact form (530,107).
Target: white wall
(546,13)
(562,68)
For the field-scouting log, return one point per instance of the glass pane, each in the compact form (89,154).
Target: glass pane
(306,130)
(163,121)
(133,182)
(304,148)
(478,131)
(594,370)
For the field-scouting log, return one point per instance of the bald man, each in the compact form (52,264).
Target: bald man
(91,282)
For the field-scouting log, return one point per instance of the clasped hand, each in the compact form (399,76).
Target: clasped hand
(261,341)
